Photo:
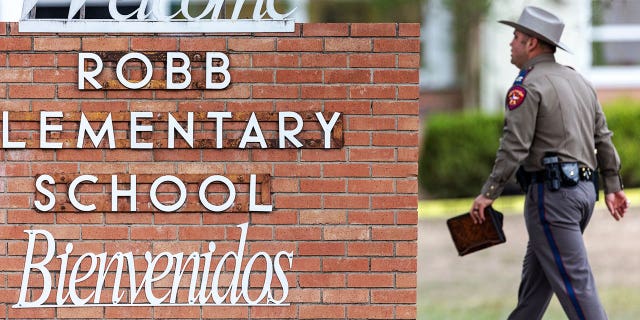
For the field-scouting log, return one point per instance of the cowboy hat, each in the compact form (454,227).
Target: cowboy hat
(541,24)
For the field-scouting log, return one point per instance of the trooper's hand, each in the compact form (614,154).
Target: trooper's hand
(617,203)
(477,209)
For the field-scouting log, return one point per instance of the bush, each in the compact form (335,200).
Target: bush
(623,117)
(458,150)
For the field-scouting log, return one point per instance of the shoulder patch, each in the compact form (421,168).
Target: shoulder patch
(515,97)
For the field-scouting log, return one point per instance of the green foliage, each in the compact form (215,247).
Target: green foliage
(623,117)
(458,150)
(458,153)
(366,10)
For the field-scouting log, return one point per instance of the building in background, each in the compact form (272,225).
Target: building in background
(604,37)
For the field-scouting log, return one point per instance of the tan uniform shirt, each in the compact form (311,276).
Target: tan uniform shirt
(554,110)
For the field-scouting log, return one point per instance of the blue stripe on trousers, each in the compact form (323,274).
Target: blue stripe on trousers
(556,253)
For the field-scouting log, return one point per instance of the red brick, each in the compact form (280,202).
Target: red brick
(346,233)
(347,76)
(249,44)
(396,45)
(395,233)
(376,248)
(331,264)
(334,60)
(154,44)
(234,91)
(395,139)
(299,76)
(324,155)
(321,311)
(297,170)
(325,29)
(370,280)
(396,107)
(270,155)
(322,280)
(406,280)
(371,154)
(105,232)
(347,45)
(370,312)
(55,76)
(280,312)
(31,313)
(409,60)
(373,217)
(318,248)
(322,217)
(346,201)
(37,91)
(84,313)
(299,44)
(323,185)
(372,92)
(56,44)
(276,60)
(276,91)
(345,296)
(410,92)
(350,107)
(324,92)
(394,202)
(129,312)
(406,312)
(16,75)
(370,186)
(295,201)
(394,264)
(393,296)
(105,44)
(407,186)
(203,44)
(15,44)
(154,233)
(396,76)
(298,233)
(252,75)
(395,170)
(369,60)
(373,30)
(346,170)
(409,30)
(408,123)
(406,249)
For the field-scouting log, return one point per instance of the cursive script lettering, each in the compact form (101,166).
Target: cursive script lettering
(203,287)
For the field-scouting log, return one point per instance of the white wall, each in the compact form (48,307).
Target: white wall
(10,10)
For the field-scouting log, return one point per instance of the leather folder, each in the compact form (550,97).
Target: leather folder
(469,237)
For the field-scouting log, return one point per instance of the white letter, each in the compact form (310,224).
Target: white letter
(252,198)
(271,10)
(281,276)
(85,128)
(64,259)
(115,193)
(89,75)
(289,134)
(135,128)
(5,134)
(45,192)
(160,205)
(28,265)
(73,278)
(150,279)
(222,69)
(72,192)
(184,69)
(266,287)
(184,6)
(252,125)
(113,10)
(327,127)
(219,116)
(120,66)
(44,128)
(175,126)
(203,196)
(158,10)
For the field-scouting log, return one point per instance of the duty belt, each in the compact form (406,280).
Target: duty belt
(584,174)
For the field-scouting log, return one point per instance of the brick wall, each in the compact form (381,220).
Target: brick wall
(347,213)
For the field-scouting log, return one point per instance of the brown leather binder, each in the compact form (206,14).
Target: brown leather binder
(469,237)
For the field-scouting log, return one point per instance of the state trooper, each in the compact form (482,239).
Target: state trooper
(555,137)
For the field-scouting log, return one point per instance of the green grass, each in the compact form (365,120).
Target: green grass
(443,208)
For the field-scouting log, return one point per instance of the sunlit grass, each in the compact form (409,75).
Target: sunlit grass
(443,208)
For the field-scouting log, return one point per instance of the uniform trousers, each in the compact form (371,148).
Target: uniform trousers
(556,258)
